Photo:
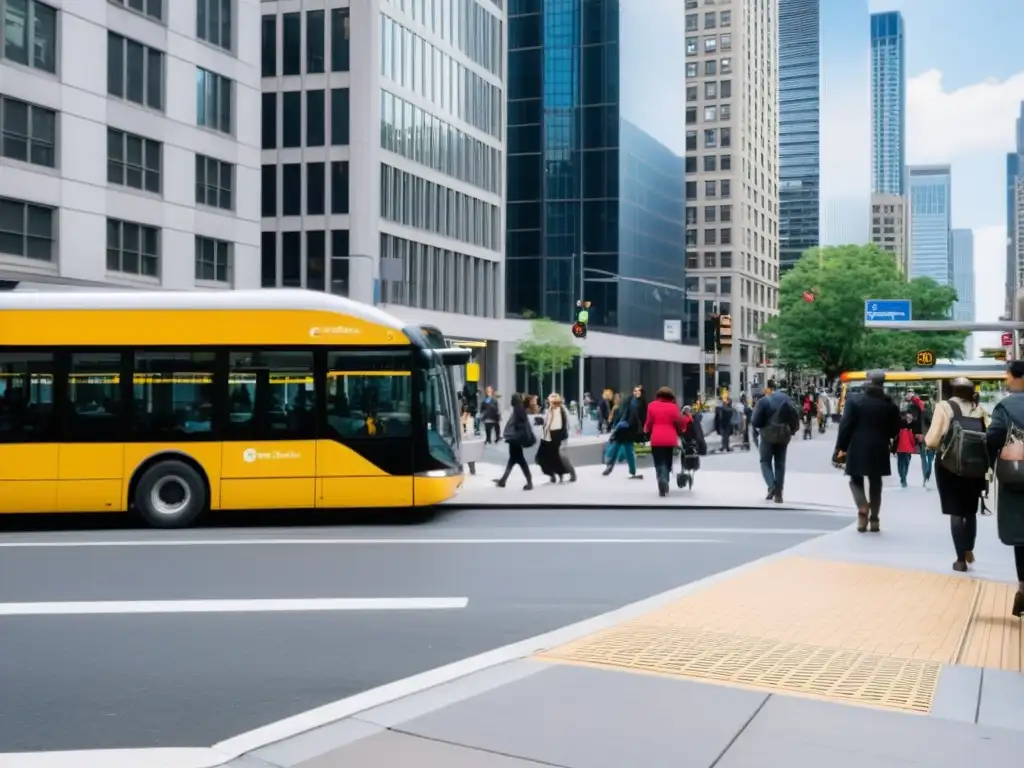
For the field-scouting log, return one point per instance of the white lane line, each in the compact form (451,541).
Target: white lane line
(125,607)
(167,757)
(335,542)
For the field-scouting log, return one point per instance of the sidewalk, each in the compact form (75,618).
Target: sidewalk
(715,488)
(850,650)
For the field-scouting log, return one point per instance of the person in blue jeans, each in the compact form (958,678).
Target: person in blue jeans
(627,429)
(777,420)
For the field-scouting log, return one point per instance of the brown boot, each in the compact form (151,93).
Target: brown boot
(969,556)
(1018,601)
(862,520)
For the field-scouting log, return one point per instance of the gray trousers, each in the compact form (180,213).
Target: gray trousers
(872,499)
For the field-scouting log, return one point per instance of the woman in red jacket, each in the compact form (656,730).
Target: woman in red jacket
(664,424)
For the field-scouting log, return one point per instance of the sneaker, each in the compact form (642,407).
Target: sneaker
(608,469)
(771,494)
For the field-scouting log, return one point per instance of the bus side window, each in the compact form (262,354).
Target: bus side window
(369,394)
(271,396)
(173,394)
(26,396)
(94,396)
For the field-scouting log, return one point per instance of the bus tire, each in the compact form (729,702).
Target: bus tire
(170,494)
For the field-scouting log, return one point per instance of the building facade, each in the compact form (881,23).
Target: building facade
(125,160)
(383,166)
(1016,281)
(732,174)
(1014,172)
(888,104)
(824,138)
(931,253)
(890,228)
(963,274)
(596,191)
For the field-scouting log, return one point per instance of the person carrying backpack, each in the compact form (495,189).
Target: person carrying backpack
(776,420)
(867,430)
(957,434)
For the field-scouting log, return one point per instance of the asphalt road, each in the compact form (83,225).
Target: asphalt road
(123,679)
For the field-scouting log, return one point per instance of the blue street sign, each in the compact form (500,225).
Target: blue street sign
(887,310)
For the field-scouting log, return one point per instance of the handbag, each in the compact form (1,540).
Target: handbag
(1010,462)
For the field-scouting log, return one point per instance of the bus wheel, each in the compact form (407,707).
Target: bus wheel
(170,494)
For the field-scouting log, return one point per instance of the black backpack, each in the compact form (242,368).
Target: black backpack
(963,450)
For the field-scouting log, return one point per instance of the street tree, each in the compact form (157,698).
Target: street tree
(548,350)
(820,325)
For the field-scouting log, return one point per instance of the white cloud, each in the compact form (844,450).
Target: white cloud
(943,124)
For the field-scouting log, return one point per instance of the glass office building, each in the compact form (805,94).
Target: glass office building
(888,103)
(931,253)
(824,134)
(596,189)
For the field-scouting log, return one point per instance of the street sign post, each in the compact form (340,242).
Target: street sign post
(889,310)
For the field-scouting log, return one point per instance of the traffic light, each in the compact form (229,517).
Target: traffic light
(712,341)
(579,328)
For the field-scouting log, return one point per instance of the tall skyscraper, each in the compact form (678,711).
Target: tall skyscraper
(824,137)
(383,157)
(931,252)
(888,104)
(732,164)
(128,158)
(596,191)
(889,227)
(963,274)
(1014,173)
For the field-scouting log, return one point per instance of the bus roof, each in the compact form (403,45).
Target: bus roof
(307,314)
(979,371)
(227,300)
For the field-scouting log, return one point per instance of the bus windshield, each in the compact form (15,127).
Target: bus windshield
(437,405)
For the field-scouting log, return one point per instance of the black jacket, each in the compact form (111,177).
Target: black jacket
(1010,502)
(769,405)
(871,421)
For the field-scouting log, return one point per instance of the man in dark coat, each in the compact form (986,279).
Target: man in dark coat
(870,424)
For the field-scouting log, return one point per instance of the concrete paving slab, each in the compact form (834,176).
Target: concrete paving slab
(312,744)
(1002,699)
(399,749)
(586,718)
(796,731)
(956,694)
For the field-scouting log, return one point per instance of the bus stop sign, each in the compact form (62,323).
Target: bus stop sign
(926,358)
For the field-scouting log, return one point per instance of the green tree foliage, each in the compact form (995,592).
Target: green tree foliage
(828,334)
(549,349)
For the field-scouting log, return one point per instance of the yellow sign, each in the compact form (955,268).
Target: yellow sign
(473,372)
(926,358)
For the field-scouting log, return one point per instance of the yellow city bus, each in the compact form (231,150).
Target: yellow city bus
(173,403)
(930,381)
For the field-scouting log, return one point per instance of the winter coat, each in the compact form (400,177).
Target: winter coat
(870,423)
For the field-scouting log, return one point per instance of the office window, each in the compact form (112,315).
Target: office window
(691,93)
(28,132)
(213,260)
(726,162)
(691,46)
(133,249)
(710,114)
(315,118)
(314,42)
(268,259)
(269,121)
(726,66)
(152,8)
(291,189)
(709,163)
(133,161)
(726,258)
(710,44)
(726,283)
(726,42)
(709,236)
(269,54)
(691,69)
(339,117)
(710,139)
(369,394)
(135,72)
(725,236)
(215,183)
(709,213)
(29,34)
(339,186)
(30,375)
(691,190)
(710,188)
(710,260)
(691,141)
(726,89)
(726,137)
(691,164)
(316,254)
(711,90)
(173,394)
(291,119)
(26,230)
(691,115)
(213,22)
(726,188)
(340,39)
(291,44)
(315,189)
(726,213)
(710,67)
(268,193)
(291,259)
(213,100)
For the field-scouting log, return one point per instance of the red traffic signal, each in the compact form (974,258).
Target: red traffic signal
(579,330)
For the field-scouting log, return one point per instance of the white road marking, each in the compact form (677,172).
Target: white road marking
(334,542)
(126,607)
(172,757)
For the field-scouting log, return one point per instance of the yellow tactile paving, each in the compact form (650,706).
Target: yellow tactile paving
(995,638)
(858,633)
